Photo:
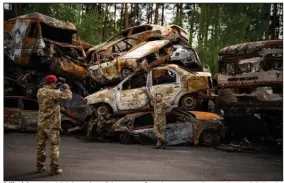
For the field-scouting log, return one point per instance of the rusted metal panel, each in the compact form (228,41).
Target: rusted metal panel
(66,67)
(48,20)
(249,47)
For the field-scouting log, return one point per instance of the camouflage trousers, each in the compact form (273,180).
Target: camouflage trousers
(53,136)
(159,130)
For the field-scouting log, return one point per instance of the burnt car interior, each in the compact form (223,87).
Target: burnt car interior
(57,34)
(163,76)
(137,81)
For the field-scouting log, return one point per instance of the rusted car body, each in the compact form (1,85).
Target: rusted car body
(186,57)
(21,113)
(112,50)
(85,46)
(182,127)
(250,75)
(149,32)
(35,39)
(180,88)
(147,53)
(45,45)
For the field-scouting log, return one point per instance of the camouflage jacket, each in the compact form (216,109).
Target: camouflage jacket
(49,107)
(160,108)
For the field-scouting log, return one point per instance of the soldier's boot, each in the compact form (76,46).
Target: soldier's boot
(40,169)
(159,144)
(164,145)
(56,171)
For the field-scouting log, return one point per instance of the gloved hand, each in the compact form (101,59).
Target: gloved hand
(65,86)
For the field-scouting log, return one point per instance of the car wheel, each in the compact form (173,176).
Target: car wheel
(208,137)
(65,126)
(126,72)
(125,138)
(189,102)
(30,91)
(103,110)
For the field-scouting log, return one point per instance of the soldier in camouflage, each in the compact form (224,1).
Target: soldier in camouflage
(49,122)
(160,109)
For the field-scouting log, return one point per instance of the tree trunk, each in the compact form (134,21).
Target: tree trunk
(177,14)
(114,19)
(273,28)
(191,25)
(121,18)
(180,14)
(125,16)
(151,13)
(148,13)
(163,10)
(156,14)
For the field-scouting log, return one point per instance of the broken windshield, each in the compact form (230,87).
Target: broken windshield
(57,34)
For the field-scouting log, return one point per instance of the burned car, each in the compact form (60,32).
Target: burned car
(45,45)
(182,127)
(180,88)
(250,75)
(112,50)
(250,89)
(150,32)
(145,54)
(186,57)
(21,113)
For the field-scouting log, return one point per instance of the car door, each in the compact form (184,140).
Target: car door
(130,94)
(107,66)
(29,114)
(165,82)
(179,130)
(12,114)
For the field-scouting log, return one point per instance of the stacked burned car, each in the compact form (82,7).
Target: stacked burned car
(153,57)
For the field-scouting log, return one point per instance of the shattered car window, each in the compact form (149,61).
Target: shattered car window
(33,30)
(140,29)
(145,120)
(231,69)
(136,81)
(57,34)
(163,76)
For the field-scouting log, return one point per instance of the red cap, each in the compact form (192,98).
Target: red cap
(51,78)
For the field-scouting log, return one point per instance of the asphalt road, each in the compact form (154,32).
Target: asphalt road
(83,160)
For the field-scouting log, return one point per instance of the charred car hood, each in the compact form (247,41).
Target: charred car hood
(145,49)
(103,95)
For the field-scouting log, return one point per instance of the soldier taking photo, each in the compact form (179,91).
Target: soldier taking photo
(49,122)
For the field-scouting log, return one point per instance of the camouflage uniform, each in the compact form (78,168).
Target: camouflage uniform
(49,124)
(160,110)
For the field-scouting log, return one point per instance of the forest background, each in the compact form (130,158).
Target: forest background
(210,26)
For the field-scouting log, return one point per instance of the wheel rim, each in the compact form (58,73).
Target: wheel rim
(207,138)
(126,72)
(189,102)
(102,110)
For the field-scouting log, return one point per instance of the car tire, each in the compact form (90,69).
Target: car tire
(125,138)
(208,137)
(30,91)
(103,110)
(189,102)
(126,72)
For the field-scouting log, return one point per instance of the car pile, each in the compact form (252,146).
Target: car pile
(113,75)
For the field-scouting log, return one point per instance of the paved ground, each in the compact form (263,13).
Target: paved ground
(82,160)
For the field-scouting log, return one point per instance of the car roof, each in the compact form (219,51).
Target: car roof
(145,49)
(47,20)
